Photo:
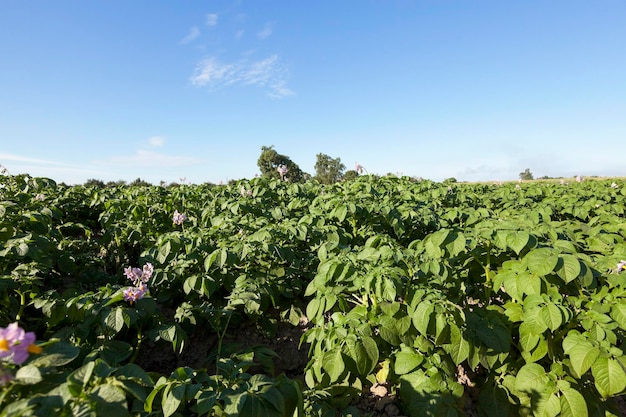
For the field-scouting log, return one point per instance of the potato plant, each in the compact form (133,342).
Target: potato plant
(513,292)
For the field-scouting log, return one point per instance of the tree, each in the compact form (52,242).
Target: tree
(350,175)
(526,175)
(138,182)
(328,170)
(92,182)
(270,161)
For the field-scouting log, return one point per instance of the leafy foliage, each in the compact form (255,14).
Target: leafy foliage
(411,285)
(270,160)
(328,170)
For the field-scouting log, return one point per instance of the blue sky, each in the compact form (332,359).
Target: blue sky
(163,90)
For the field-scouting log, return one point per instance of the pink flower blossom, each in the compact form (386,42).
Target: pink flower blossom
(621,266)
(139,276)
(132,294)
(178,218)
(16,344)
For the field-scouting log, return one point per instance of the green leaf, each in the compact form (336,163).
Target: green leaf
(541,261)
(459,348)
(551,316)
(573,404)
(333,364)
(110,400)
(570,268)
(209,260)
(407,360)
(609,376)
(315,308)
(164,251)
(547,406)
(581,352)
(531,378)
(517,241)
(527,338)
(618,313)
(28,375)
(433,243)
(56,354)
(510,282)
(494,401)
(115,351)
(115,319)
(340,212)
(421,316)
(364,352)
(172,398)
(457,245)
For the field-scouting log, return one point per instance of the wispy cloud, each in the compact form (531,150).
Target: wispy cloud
(156,141)
(266,32)
(280,90)
(267,73)
(17,158)
(145,158)
(73,174)
(211,19)
(194,32)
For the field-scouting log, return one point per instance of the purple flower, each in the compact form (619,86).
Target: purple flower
(179,218)
(16,344)
(139,276)
(132,294)
(579,178)
(621,266)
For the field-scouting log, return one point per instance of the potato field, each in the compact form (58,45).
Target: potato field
(370,297)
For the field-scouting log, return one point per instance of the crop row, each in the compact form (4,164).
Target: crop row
(434,291)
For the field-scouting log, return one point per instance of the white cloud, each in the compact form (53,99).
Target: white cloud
(280,90)
(266,32)
(267,73)
(156,141)
(194,32)
(211,72)
(17,158)
(60,172)
(144,158)
(239,34)
(211,19)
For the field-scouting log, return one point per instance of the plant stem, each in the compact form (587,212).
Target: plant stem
(139,340)
(22,306)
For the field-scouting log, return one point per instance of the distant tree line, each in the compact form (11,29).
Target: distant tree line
(328,170)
